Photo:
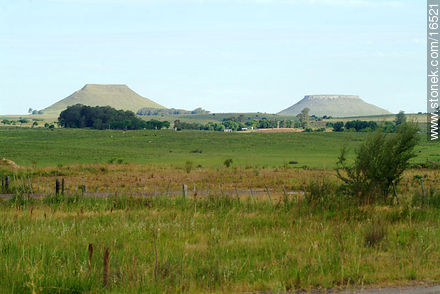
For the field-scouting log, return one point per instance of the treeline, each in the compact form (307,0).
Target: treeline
(361,126)
(105,117)
(169,111)
(234,124)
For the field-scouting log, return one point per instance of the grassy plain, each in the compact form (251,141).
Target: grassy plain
(43,147)
(206,243)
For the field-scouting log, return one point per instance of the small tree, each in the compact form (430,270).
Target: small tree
(400,118)
(304,118)
(188,166)
(379,163)
(228,162)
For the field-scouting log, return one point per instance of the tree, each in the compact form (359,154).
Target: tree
(338,126)
(304,118)
(30,110)
(400,118)
(379,163)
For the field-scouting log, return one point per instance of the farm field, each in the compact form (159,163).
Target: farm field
(41,147)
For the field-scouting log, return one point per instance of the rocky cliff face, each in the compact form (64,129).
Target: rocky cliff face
(334,105)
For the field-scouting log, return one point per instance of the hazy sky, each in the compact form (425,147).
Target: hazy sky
(222,55)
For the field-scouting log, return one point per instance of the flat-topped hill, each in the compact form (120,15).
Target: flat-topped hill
(116,96)
(334,105)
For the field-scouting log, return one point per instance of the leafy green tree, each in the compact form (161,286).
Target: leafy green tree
(304,118)
(379,163)
(338,126)
(400,118)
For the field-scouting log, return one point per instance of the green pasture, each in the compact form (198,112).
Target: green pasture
(43,147)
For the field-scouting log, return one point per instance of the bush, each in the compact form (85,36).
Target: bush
(188,166)
(228,162)
(379,163)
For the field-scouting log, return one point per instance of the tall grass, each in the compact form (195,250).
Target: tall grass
(211,244)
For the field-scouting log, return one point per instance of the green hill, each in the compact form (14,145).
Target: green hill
(116,96)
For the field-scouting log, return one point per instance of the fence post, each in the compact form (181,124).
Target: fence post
(15,184)
(30,186)
(286,196)
(6,184)
(57,187)
(168,189)
(184,190)
(395,193)
(252,193)
(154,190)
(268,194)
(62,186)
(236,193)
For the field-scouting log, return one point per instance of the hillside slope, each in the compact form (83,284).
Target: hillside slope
(334,105)
(116,96)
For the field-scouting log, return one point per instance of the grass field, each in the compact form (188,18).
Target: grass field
(213,244)
(316,239)
(42,147)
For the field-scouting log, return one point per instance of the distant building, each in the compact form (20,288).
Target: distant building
(228,131)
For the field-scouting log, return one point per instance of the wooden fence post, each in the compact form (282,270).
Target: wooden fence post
(286,196)
(184,190)
(62,186)
(57,187)
(268,194)
(6,184)
(252,193)
(395,193)
(106,266)
(15,184)
(30,186)
(236,193)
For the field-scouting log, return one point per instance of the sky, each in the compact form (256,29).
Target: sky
(221,55)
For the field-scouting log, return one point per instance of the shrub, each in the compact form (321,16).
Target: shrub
(198,150)
(188,166)
(228,162)
(379,163)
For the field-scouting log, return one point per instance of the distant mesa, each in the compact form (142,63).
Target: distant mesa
(116,96)
(334,105)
